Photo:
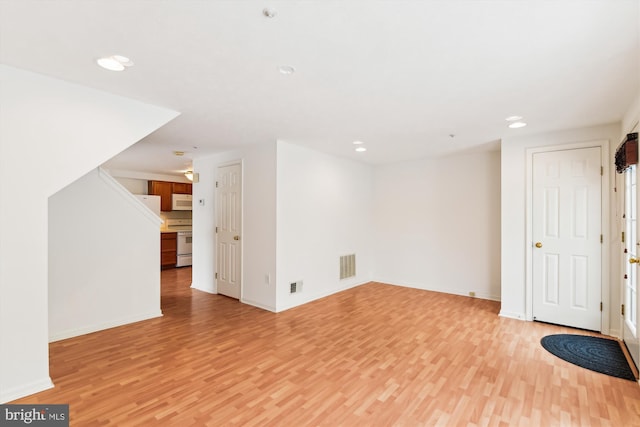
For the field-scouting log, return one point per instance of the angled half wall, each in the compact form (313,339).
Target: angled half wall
(51,133)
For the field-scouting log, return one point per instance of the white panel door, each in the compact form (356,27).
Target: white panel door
(566,261)
(630,278)
(229,230)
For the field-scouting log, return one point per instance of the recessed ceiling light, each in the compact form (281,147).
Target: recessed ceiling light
(361,149)
(123,60)
(513,118)
(269,13)
(358,142)
(286,69)
(110,64)
(114,62)
(516,125)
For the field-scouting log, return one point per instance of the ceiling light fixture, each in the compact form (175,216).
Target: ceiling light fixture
(513,118)
(286,69)
(269,13)
(191,176)
(358,142)
(115,62)
(361,149)
(517,125)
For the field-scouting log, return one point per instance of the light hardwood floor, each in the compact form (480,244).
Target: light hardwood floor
(376,355)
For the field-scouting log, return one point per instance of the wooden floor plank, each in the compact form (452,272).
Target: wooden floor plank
(377,355)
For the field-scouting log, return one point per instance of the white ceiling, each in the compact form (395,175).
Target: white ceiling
(399,75)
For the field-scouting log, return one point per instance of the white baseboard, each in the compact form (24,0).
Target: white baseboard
(70,333)
(207,290)
(511,315)
(319,295)
(460,292)
(258,305)
(614,333)
(13,393)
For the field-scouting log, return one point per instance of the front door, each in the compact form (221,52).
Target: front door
(229,230)
(630,278)
(566,220)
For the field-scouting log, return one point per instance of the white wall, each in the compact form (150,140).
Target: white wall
(104,258)
(324,210)
(134,186)
(51,133)
(513,184)
(631,118)
(437,224)
(258,223)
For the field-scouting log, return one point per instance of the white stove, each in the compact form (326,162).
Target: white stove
(183,228)
(179,224)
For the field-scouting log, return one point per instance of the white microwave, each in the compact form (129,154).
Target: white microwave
(181,202)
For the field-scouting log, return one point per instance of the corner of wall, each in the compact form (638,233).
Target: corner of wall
(13,393)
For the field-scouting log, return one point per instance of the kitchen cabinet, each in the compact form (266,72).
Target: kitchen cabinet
(165,189)
(168,249)
(182,188)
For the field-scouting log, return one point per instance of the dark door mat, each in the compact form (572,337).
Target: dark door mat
(597,354)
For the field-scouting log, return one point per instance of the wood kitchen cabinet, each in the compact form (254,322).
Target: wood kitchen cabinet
(168,250)
(182,188)
(165,189)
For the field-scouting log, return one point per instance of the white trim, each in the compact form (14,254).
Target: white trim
(259,305)
(511,315)
(148,176)
(442,290)
(230,163)
(70,333)
(619,248)
(605,225)
(205,290)
(319,295)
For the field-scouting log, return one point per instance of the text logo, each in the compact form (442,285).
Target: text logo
(34,415)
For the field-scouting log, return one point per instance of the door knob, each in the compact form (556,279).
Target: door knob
(538,245)
(236,237)
(634,261)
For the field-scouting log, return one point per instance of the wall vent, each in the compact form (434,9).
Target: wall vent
(347,266)
(295,287)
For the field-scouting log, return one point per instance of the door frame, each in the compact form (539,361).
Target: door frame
(605,226)
(624,264)
(239,162)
